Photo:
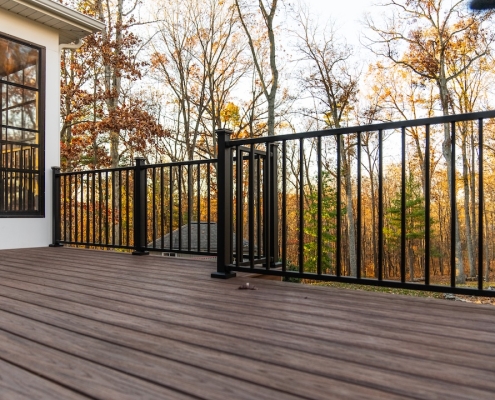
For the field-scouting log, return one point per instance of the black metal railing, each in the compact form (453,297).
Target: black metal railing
(253,241)
(402,204)
(162,208)
(399,204)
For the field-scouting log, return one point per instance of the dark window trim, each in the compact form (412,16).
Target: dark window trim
(41,130)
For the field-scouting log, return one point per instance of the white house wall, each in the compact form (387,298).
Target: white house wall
(36,232)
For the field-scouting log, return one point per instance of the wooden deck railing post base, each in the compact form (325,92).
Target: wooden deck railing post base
(56,221)
(223,275)
(140,253)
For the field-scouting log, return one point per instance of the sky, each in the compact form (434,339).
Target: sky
(346,13)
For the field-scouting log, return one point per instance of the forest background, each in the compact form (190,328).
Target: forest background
(164,75)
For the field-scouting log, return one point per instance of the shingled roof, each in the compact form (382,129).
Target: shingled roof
(203,238)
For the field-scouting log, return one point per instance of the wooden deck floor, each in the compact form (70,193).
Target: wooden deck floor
(88,324)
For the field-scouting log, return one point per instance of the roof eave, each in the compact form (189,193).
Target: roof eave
(78,25)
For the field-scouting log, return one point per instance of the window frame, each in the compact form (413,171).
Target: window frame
(40,213)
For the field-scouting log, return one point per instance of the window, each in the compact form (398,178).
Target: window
(21,129)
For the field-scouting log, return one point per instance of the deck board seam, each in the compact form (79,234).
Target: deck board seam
(352,381)
(383,317)
(384,298)
(165,283)
(215,333)
(39,375)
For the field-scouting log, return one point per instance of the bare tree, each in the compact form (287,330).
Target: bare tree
(330,80)
(441,33)
(269,82)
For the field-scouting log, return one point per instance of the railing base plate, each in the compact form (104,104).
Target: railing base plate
(140,253)
(55,245)
(223,275)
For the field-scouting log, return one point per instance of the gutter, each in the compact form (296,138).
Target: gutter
(70,46)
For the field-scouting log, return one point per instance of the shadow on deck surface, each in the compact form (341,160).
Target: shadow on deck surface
(91,324)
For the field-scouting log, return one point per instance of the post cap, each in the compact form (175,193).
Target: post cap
(139,161)
(224,131)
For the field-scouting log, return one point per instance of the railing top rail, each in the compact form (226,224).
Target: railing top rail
(147,166)
(364,128)
(94,171)
(179,163)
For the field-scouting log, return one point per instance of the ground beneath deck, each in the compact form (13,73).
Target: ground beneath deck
(91,324)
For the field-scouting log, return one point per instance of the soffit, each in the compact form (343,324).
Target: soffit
(71,24)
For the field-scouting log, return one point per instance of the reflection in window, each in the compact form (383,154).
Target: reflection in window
(20,174)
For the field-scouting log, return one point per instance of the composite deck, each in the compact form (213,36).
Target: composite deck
(91,324)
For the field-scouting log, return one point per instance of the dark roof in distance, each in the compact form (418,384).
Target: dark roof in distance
(203,238)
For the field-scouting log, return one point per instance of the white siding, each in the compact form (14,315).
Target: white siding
(36,232)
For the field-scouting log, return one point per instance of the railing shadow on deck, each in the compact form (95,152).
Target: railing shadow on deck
(373,205)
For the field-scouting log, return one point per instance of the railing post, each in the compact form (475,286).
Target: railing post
(224,207)
(139,208)
(56,231)
(267,207)
(274,206)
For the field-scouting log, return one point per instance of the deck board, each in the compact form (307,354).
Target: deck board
(162,328)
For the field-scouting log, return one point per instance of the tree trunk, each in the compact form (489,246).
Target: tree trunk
(447,146)
(467,214)
(351,228)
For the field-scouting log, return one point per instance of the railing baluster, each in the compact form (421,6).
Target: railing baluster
(179,183)
(198,206)
(338,265)
(481,200)
(162,208)
(100,209)
(258,206)
(284,206)
(453,210)
(70,207)
(76,217)
(107,212)
(66,210)
(171,206)
(208,205)
(189,205)
(301,206)
(153,211)
(380,204)
(119,215)
(427,195)
(128,195)
(359,211)
(403,209)
(93,201)
(87,208)
(144,199)
(319,208)
(113,207)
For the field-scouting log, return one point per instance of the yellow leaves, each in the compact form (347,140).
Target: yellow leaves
(230,115)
